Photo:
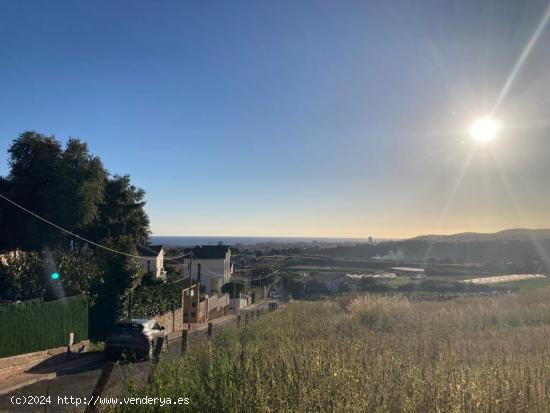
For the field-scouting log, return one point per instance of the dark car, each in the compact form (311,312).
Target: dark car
(136,339)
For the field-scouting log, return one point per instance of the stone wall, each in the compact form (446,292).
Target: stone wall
(172,320)
(11,366)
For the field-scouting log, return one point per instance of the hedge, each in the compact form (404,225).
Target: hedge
(36,325)
(152,300)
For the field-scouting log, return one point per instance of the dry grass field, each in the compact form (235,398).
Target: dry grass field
(372,354)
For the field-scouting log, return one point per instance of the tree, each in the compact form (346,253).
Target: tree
(63,186)
(23,276)
(295,287)
(343,288)
(76,271)
(122,212)
(119,276)
(71,188)
(34,180)
(233,289)
(82,184)
(314,286)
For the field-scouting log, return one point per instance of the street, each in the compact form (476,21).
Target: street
(80,381)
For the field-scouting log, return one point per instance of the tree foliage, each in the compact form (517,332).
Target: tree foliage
(233,289)
(70,187)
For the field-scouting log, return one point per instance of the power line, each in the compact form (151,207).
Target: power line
(116,251)
(261,277)
(181,256)
(69,232)
(166,258)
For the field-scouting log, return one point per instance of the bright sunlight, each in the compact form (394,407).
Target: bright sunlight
(484,129)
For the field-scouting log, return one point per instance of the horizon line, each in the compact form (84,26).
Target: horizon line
(354,237)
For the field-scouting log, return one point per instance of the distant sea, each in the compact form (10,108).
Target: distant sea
(185,241)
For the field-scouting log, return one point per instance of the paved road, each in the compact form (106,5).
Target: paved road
(80,382)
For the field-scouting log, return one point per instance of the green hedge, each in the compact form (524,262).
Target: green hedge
(151,300)
(37,325)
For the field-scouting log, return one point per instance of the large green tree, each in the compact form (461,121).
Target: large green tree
(64,186)
(33,182)
(71,188)
(122,214)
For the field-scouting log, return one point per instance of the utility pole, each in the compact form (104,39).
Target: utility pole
(130,299)
(130,306)
(190,284)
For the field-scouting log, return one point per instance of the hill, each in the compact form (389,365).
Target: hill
(515,234)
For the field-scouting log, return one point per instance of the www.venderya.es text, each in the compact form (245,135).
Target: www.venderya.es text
(97,401)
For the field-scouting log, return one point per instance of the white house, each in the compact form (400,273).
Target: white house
(152,259)
(211,266)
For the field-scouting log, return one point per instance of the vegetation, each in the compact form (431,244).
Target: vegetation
(443,257)
(234,289)
(36,325)
(69,187)
(372,354)
(156,298)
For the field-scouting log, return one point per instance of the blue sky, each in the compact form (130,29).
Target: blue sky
(311,118)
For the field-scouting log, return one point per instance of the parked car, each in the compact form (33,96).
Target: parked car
(135,339)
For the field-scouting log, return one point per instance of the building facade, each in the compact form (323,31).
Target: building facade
(152,260)
(210,265)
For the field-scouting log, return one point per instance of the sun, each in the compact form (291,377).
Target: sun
(484,129)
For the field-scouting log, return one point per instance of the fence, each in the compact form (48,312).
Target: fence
(242,301)
(37,325)
(218,305)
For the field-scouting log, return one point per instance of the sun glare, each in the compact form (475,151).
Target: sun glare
(484,129)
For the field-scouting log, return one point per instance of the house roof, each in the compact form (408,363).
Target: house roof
(150,251)
(206,252)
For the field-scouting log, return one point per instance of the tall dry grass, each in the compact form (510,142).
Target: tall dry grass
(375,355)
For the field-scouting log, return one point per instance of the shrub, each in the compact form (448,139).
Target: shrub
(156,298)
(36,325)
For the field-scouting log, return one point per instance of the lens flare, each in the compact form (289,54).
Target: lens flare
(484,130)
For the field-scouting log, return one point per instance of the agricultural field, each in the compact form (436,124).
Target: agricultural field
(372,354)
(504,278)
(529,285)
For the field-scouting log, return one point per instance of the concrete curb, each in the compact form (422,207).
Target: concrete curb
(26,379)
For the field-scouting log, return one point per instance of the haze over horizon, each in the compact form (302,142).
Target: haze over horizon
(309,119)
(351,238)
